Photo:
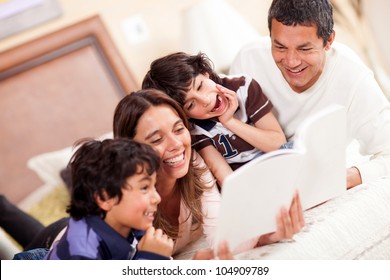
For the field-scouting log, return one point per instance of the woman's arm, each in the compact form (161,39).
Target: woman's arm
(211,202)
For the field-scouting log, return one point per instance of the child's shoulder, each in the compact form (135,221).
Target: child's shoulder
(236,80)
(235,76)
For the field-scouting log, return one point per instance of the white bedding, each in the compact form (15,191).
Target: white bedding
(355,225)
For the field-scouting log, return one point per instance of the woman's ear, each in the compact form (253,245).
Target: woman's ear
(104,202)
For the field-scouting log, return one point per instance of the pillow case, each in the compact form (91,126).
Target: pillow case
(49,165)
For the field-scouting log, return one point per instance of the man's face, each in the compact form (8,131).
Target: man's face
(299,54)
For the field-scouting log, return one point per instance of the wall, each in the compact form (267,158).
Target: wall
(162,19)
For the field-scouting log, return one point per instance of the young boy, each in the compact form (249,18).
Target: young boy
(231,117)
(113,202)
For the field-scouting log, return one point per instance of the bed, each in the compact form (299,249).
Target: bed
(353,226)
(54,90)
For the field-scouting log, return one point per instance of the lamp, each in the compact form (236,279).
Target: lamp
(216,29)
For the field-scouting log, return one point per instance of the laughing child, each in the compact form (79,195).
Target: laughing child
(231,117)
(113,203)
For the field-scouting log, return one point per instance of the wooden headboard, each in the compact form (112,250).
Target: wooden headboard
(53,91)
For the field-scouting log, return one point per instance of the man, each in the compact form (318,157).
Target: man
(302,70)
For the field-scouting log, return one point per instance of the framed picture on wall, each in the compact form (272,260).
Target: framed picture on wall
(56,89)
(19,15)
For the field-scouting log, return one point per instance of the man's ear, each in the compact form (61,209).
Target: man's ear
(104,202)
(330,40)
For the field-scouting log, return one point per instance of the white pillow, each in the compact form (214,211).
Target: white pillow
(49,165)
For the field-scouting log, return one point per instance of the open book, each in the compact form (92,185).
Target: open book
(253,194)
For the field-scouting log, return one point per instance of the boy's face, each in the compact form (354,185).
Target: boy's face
(137,206)
(298,53)
(204,100)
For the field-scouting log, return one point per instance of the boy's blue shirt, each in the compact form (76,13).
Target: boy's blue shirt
(92,238)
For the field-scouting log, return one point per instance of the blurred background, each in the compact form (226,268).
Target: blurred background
(141,31)
(146,30)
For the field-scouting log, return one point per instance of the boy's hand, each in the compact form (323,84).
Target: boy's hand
(156,241)
(233,103)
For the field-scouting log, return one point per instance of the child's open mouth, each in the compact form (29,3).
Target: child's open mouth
(218,103)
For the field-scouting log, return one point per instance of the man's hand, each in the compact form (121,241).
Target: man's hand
(353,177)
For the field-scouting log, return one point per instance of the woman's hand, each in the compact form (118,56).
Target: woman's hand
(288,223)
(156,241)
(224,253)
(233,104)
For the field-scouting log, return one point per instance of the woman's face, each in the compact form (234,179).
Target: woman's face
(163,129)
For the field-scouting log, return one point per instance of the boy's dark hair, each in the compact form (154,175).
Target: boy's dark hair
(102,167)
(173,74)
(304,12)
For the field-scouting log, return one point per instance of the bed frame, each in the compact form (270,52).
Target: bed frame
(54,90)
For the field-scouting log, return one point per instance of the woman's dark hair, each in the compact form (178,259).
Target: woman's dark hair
(101,168)
(191,186)
(174,73)
(317,13)
(132,107)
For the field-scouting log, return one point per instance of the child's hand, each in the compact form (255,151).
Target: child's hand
(156,241)
(233,104)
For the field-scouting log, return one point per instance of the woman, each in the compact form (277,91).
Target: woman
(189,196)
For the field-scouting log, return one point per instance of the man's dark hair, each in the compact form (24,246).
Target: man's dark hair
(317,13)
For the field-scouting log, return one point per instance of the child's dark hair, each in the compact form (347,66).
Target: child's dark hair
(102,167)
(174,73)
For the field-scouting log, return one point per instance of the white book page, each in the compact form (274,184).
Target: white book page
(253,195)
(323,137)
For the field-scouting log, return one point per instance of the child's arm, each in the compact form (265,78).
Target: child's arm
(157,242)
(266,135)
(216,163)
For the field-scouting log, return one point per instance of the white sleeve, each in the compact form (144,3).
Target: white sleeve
(371,127)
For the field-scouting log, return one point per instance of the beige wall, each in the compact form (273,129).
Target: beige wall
(378,21)
(162,18)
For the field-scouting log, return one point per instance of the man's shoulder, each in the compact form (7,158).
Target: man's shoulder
(251,55)
(264,42)
(346,53)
